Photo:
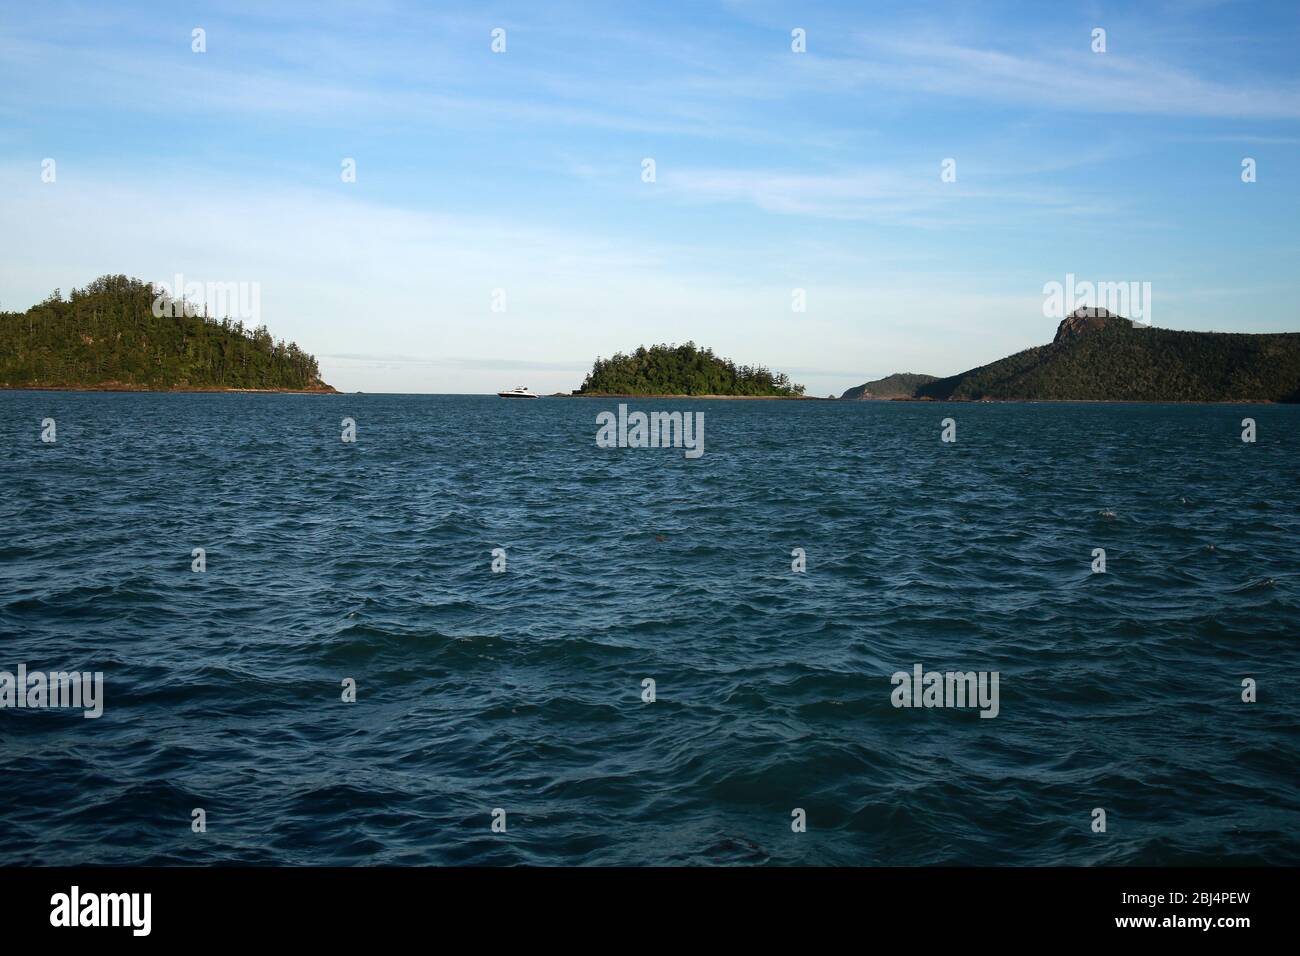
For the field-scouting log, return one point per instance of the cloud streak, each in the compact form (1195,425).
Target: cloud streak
(1078,81)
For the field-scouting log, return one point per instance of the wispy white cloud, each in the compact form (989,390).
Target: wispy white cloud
(413,289)
(1078,81)
(911,196)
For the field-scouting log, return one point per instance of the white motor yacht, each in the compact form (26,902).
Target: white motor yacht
(519,391)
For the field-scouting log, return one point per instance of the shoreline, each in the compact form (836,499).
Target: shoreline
(121,387)
(946,401)
(762,398)
(1072,401)
(330,390)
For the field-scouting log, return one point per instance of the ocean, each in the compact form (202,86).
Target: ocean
(506,716)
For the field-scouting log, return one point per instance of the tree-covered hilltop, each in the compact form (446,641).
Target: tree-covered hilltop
(107,336)
(898,385)
(682,370)
(1115,360)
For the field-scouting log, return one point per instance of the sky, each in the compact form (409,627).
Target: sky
(501,229)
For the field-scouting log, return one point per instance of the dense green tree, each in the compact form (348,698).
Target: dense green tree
(107,334)
(682,370)
(1117,361)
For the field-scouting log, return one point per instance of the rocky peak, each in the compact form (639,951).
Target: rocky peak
(1084,320)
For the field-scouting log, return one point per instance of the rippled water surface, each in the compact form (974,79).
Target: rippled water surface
(522,690)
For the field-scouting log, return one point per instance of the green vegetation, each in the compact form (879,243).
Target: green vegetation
(898,385)
(1109,359)
(106,335)
(1121,362)
(682,370)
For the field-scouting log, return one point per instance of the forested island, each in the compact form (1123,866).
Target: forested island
(107,336)
(898,385)
(684,370)
(1102,357)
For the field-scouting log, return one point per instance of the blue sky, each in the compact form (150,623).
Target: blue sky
(522,171)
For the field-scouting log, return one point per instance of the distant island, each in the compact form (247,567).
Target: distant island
(666,370)
(107,337)
(1102,357)
(898,385)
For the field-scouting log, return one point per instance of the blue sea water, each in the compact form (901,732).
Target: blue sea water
(522,690)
